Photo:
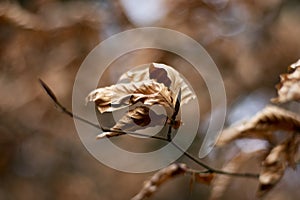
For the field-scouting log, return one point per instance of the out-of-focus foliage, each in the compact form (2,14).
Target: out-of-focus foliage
(280,154)
(41,156)
(260,126)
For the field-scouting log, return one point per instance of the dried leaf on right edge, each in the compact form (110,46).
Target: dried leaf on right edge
(280,157)
(289,87)
(135,119)
(270,119)
(221,182)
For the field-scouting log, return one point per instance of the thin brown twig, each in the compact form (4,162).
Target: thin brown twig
(62,108)
(209,169)
(212,170)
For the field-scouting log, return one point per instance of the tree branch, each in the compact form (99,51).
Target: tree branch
(209,169)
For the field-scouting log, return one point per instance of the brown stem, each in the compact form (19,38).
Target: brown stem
(210,169)
(62,108)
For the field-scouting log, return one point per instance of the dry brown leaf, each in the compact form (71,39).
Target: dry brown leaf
(289,87)
(118,96)
(204,178)
(273,169)
(280,157)
(271,118)
(135,119)
(162,74)
(221,182)
(151,185)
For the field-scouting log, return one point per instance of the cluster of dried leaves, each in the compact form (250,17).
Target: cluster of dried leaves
(157,84)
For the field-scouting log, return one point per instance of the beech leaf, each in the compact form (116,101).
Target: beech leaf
(281,156)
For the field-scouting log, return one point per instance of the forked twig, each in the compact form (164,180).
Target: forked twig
(209,169)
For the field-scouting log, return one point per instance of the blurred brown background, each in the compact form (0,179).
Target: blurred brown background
(41,156)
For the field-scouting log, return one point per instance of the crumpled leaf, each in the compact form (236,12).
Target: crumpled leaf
(289,87)
(151,185)
(135,119)
(162,74)
(119,96)
(261,125)
(280,157)
(145,90)
(221,182)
